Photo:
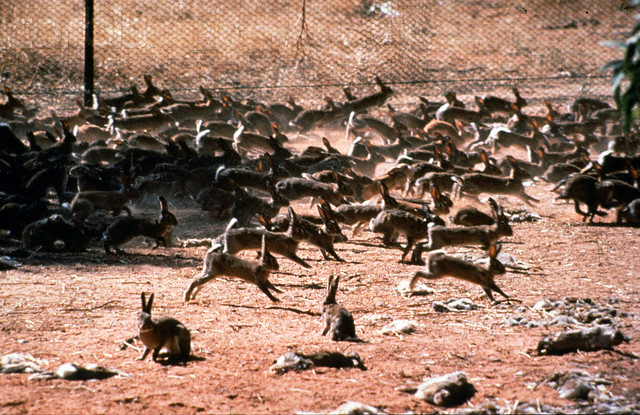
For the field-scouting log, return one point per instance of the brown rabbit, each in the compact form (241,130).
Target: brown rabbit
(440,236)
(234,240)
(126,228)
(358,215)
(322,237)
(86,202)
(163,333)
(337,318)
(474,184)
(294,188)
(395,222)
(440,265)
(220,263)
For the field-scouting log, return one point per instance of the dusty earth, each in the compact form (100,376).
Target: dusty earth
(82,308)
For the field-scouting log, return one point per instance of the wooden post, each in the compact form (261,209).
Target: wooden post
(88,53)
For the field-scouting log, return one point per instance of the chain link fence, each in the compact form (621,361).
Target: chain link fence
(310,49)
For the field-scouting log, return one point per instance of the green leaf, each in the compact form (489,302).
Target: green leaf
(615,66)
(616,96)
(617,80)
(615,44)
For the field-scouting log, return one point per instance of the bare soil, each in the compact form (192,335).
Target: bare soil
(82,308)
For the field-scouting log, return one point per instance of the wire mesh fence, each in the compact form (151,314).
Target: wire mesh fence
(307,48)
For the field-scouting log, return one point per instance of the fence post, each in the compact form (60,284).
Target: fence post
(88,52)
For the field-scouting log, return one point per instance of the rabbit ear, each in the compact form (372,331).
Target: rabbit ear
(264,221)
(494,250)
(146,306)
(435,193)
(383,189)
(484,156)
(334,286)
(144,303)
(323,213)
(163,204)
(292,214)
(263,247)
(494,206)
(331,291)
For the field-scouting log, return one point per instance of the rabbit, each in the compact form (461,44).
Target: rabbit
(125,228)
(440,236)
(441,179)
(373,100)
(306,230)
(452,114)
(322,237)
(246,206)
(359,125)
(418,208)
(471,216)
(86,202)
(501,106)
(444,128)
(474,184)
(293,188)
(502,137)
(440,265)
(234,240)
(162,333)
(220,263)
(581,188)
(358,215)
(44,234)
(394,222)
(310,118)
(629,214)
(337,319)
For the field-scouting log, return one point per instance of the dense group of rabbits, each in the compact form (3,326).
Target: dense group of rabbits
(68,182)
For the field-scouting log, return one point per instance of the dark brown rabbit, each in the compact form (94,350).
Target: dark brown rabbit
(337,319)
(125,228)
(321,237)
(55,233)
(162,333)
(471,216)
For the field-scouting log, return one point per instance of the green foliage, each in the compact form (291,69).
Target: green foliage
(626,76)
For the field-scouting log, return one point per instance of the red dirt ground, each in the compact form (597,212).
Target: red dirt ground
(81,308)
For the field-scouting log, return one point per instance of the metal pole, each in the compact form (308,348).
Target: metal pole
(88,53)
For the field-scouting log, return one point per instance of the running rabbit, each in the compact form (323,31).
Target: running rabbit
(440,265)
(219,263)
(163,333)
(337,318)
(474,184)
(440,236)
